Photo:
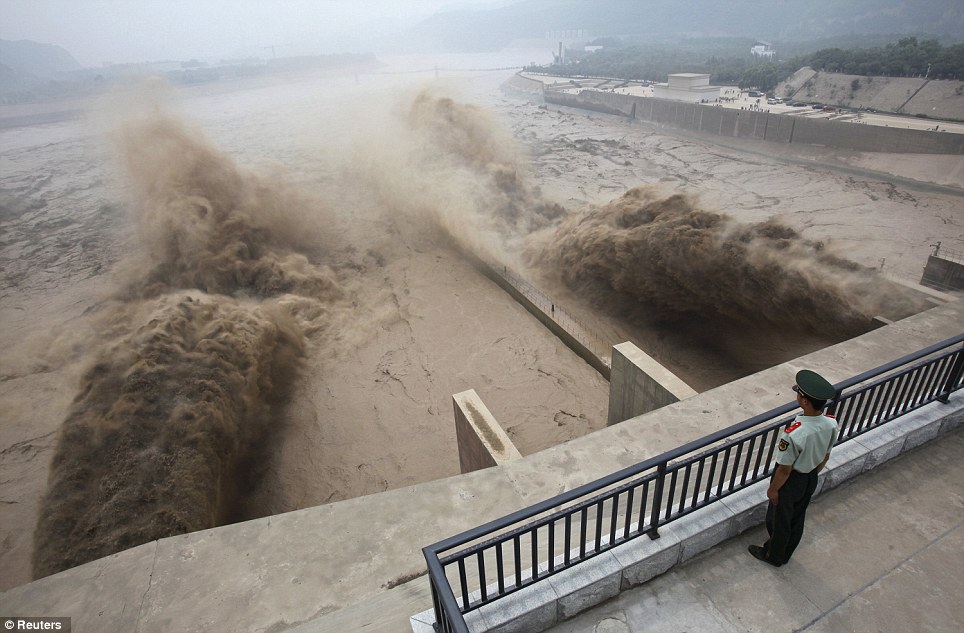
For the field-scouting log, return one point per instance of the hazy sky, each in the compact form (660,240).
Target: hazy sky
(96,31)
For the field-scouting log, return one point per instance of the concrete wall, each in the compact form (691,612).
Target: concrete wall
(524,85)
(481,440)
(910,95)
(639,384)
(943,274)
(767,126)
(599,364)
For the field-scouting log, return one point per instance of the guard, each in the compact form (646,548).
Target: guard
(802,451)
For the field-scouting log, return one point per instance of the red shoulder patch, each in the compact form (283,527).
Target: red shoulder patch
(796,424)
(830,415)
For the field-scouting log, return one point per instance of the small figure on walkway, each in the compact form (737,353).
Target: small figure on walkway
(802,452)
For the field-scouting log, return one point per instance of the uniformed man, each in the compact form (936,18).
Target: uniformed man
(802,451)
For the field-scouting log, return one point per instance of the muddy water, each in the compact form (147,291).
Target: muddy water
(371,408)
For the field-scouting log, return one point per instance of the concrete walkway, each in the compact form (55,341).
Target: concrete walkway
(882,552)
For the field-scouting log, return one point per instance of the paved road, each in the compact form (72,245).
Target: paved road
(883,552)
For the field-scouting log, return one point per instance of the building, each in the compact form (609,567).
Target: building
(763,49)
(689,87)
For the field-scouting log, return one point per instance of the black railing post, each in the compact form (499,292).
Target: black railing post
(832,407)
(953,377)
(436,605)
(653,531)
(448,615)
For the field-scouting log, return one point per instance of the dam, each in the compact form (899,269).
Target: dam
(327,565)
(351,564)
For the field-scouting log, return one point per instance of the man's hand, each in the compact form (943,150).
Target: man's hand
(773,495)
(780,477)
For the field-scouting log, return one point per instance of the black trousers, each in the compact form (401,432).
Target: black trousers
(785,520)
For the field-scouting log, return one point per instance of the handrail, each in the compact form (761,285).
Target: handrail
(878,396)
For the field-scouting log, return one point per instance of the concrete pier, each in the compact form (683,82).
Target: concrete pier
(638,384)
(482,442)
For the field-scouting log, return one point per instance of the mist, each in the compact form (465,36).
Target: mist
(98,32)
(101,32)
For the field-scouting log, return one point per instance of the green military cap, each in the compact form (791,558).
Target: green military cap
(813,385)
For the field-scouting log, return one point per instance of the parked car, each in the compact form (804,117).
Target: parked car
(817,106)
(754,93)
(797,104)
(773,101)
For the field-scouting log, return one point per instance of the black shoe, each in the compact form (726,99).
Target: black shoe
(760,554)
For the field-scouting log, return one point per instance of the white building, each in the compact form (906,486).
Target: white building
(763,49)
(691,87)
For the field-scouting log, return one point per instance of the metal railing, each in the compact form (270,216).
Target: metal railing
(532,544)
(949,254)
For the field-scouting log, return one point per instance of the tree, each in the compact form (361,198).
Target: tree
(728,61)
(763,76)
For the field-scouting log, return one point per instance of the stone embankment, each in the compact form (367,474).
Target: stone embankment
(936,99)
(759,124)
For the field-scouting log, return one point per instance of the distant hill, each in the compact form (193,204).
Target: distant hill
(29,70)
(25,57)
(656,20)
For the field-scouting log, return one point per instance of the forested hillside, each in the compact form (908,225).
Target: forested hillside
(661,21)
(726,64)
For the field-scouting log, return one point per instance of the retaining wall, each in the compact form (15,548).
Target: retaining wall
(938,98)
(581,348)
(943,274)
(766,126)
(524,85)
